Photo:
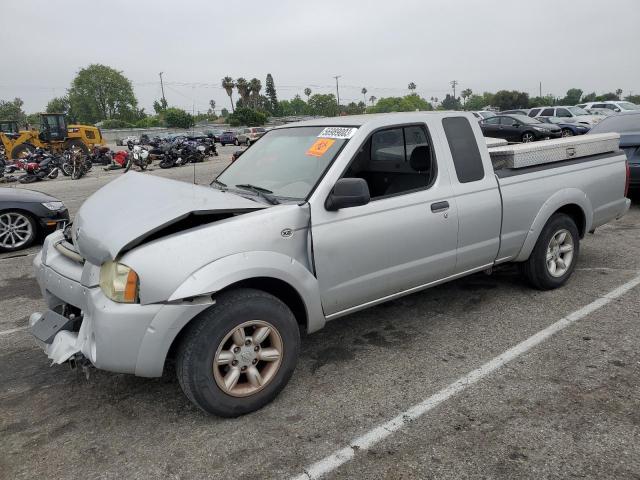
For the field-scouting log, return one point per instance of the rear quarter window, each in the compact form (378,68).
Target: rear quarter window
(464,149)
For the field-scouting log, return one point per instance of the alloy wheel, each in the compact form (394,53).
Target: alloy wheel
(528,137)
(248,358)
(560,253)
(16,230)
(567,133)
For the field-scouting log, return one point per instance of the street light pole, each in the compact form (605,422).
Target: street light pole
(164,100)
(337,92)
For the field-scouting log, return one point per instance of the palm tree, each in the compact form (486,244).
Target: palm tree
(255,86)
(364,94)
(466,93)
(619,93)
(411,86)
(372,99)
(228,84)
(243,90)
(307,92)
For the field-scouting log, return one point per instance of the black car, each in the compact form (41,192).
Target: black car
(627,124)
(518,128)
(26,215)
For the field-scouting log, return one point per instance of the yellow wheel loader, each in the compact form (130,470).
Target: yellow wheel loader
(54,135)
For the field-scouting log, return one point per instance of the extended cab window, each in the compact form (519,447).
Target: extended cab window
(464,149)
(547,112)
(395,160)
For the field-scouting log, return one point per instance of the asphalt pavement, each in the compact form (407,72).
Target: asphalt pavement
(568,406)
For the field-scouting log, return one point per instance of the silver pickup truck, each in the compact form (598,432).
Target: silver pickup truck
(314,221)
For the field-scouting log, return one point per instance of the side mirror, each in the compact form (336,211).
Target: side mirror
(348,192)
(616,109)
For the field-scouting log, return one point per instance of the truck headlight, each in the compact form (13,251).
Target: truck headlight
(119,282)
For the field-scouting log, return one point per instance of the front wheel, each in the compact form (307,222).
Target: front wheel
(555,254)
(566,132)
(17,230)
(239,354)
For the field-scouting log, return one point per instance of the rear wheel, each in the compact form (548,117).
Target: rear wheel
(555,254)
(76,145)
(236,142)
(239,354)
(17,230)
(566,132)
(528,137)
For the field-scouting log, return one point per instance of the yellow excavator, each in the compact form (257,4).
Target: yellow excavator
(54,135)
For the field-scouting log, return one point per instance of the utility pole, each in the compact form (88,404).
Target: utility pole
(453,84)
(337,92)
(164,100)
(540,89)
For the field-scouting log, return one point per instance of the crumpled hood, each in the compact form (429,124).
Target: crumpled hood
(135,206)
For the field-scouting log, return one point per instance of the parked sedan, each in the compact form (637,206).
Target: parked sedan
(518,128)
(568,129)
(228,137)
(627,124)
(26,215)
(250,135)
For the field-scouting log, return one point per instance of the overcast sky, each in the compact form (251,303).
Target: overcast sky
(378,44)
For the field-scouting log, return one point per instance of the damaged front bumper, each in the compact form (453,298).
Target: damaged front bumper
(124,338)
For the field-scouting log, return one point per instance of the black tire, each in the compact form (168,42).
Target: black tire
(236,142)
(53,174)
(528,137)
(34,230)
(28,178)
(128,165)
(21,150)
(165,164)
(200,342)
(67,169)
(77,144)
(535,268)
(566,132)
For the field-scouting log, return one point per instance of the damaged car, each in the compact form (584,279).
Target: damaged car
(315,221)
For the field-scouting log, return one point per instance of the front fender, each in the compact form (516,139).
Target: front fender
(234,268)
(558,200)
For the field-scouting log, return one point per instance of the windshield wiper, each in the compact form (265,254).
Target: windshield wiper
(218,182)
(260,191)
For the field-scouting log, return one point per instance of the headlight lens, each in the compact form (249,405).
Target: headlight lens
(119,282)
(54,206)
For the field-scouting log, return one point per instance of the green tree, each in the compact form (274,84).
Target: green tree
(12,110)
(411,87)
(58,105)
(354,108)
(247,116)
(507,100)
(408,103)
(323,105)
(178,118)
(255,86)
(99,92)
(547,100)
(618,93)
(450,103)
(243,90)
(228,85)
(224,113)
(307,92)
(572,97)
(364,94)
(466,93)
(212,108)
(298,106)
(270,90)
(159,106)
(633,99)
(372,99)
(607,97)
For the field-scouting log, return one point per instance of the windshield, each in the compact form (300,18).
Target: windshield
(525,119)
(288,162)
(628,106)
(577,111)
(487,114)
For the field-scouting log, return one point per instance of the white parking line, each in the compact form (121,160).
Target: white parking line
(381,432)
(13,330)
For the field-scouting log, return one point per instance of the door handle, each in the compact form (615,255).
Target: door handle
(440,207)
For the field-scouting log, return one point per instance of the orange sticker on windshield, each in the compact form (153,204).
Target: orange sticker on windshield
(320,147)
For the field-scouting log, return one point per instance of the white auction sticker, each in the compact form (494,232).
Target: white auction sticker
(337,132)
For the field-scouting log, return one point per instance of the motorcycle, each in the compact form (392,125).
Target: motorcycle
(79,165)
(49,168)
(139,156)
(101,155)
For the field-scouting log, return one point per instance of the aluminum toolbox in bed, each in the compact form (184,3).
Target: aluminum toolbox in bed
(495,142)
(522,155)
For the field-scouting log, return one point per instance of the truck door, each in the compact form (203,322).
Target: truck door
(477,196)
(404,238)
